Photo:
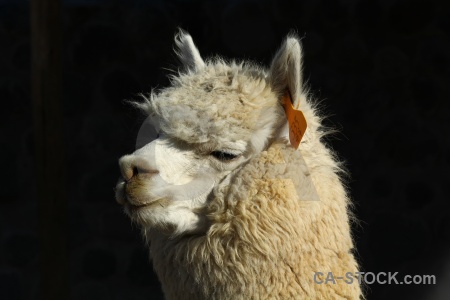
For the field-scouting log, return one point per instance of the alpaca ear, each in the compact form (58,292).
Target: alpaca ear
(286,70)
(187,51)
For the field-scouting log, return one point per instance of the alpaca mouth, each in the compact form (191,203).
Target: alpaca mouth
(131,204)
(124,197)
(134,205)
(135,210)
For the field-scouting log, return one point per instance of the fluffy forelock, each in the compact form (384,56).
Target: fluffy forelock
(221,102)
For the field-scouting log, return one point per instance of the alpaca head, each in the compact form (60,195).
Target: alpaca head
(212,119)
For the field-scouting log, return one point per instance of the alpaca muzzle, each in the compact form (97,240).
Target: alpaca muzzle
(135,172)
(131,166)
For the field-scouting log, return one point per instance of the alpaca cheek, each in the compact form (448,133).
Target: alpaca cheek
(174,166)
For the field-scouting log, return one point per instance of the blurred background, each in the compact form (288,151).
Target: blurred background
(380,69)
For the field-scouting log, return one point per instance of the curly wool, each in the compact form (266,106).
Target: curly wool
(223,100)
(264,242)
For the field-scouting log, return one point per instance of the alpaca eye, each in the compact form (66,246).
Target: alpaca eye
(223,156)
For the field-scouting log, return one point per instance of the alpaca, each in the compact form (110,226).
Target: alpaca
(217,193)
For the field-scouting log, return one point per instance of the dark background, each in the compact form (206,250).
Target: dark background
(380,68)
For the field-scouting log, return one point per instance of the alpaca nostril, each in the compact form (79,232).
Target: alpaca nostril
(135,171)
(131,166)
(140,170)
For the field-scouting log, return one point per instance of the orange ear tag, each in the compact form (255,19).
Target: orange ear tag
(296,120)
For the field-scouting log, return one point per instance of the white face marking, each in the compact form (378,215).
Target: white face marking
(170,184)
(176,167)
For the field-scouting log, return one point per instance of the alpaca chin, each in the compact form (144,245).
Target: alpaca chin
(168,218)
(169,214)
